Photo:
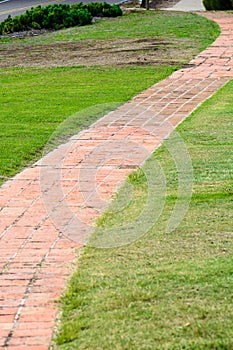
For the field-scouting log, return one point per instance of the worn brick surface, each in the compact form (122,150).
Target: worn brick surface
(41,206)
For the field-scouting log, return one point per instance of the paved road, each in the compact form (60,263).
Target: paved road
(15,7)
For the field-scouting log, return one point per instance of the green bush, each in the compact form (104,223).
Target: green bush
(218,4)
(103,9)
(112,11)
(58,16)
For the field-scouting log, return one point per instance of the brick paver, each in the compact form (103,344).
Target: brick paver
(47,210)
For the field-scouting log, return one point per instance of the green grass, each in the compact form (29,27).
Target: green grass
(142,25)
(35,101)
(166,290)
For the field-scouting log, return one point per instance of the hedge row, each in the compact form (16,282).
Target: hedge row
(58,16)
(218,4)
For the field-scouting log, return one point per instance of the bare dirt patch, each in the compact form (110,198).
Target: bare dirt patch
(150,51)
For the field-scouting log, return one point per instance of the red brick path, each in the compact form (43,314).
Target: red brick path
(35,249)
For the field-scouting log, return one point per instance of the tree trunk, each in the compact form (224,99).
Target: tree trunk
(145,4)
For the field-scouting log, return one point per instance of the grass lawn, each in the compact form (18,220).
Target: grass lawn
(35,101)
(166,290)
(142,24)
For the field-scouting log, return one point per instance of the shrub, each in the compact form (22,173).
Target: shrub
(112,11)
(218,4)
(58,16)
(101,9)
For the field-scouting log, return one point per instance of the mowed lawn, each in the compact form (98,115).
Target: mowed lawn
(140,24)
(165,290)
(35,101)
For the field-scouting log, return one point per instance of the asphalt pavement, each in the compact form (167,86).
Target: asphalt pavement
(16,7)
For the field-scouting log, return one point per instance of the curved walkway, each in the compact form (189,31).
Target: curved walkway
(46,212)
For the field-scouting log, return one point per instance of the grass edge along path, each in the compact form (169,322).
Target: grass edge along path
(35,101)
(165,291)
(15,338)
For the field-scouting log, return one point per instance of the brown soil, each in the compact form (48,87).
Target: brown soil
(150,51)
(144,51)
